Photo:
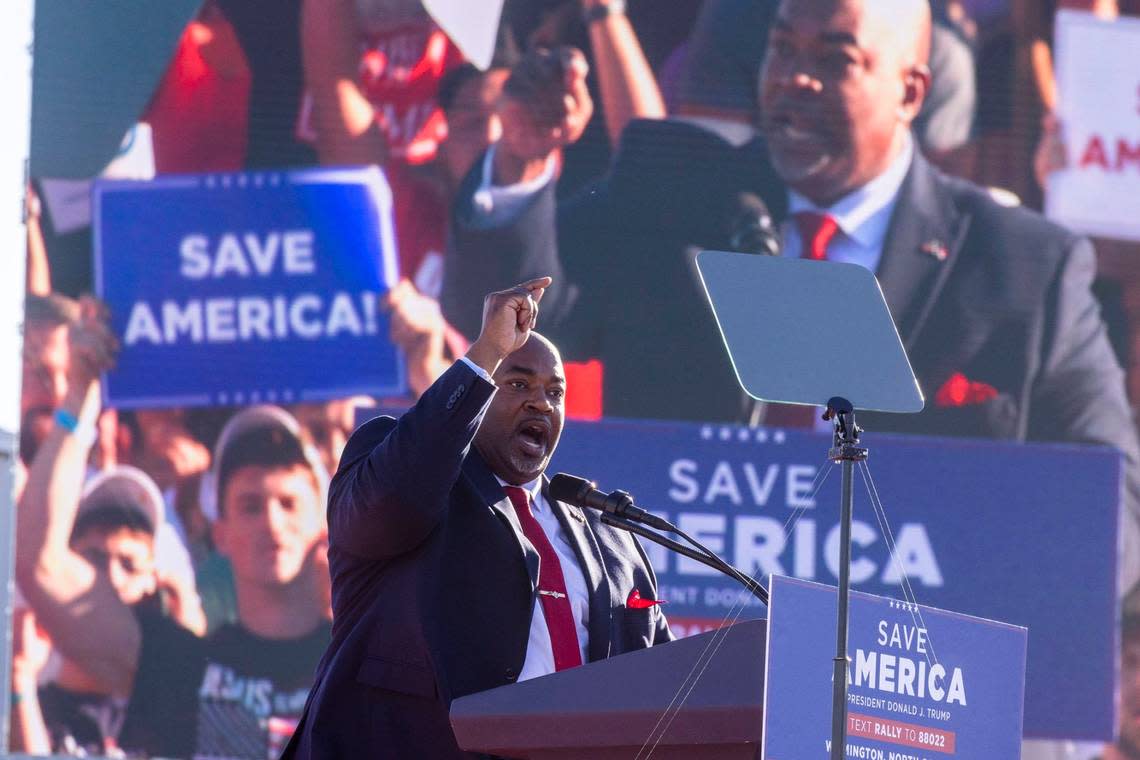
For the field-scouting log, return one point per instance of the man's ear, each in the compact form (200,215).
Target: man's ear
(916,84)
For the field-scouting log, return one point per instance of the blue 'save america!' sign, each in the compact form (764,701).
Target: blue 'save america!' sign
(240,288)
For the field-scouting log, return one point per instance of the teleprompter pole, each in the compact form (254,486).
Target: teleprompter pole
(847,451)
(806,364)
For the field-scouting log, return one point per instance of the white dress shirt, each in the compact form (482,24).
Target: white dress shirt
(863,216)
(539,652)
(500,204)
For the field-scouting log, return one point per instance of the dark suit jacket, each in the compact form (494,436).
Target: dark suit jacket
(996,293)
(626,246)
(434,584)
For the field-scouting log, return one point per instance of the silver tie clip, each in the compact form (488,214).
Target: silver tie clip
(555,594)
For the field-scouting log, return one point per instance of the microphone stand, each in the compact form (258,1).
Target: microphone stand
(705,557)
(846,449)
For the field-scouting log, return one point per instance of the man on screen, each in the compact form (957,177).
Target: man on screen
(993,302)
(453,571)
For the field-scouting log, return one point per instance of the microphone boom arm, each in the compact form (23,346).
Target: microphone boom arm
(704,557)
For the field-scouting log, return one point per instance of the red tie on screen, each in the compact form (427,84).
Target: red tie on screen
(552,586)
(816,231)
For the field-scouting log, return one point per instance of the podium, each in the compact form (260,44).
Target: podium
(608,709)
(924,682)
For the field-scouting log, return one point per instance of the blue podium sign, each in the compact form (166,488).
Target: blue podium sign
(232,289)
(1024,533)
(1021,533)
(922,683)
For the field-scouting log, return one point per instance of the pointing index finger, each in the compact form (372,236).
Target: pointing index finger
(536,287)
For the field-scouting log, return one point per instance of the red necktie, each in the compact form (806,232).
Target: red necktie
(816,231)
(551,586)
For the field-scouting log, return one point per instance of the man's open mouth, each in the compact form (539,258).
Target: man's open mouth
(533,437)
(785,126)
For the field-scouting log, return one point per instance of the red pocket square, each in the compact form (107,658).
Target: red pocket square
(635,602)
(960,390)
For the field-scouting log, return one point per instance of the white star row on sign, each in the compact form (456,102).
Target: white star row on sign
(242,180)
(897,605)
(255,397)
(743,434)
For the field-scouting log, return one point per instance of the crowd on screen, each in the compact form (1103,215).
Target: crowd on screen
(171,563)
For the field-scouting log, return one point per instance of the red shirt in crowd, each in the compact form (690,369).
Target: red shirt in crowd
(399,72)
(199,114)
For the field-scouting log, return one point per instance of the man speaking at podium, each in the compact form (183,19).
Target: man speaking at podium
(452,570)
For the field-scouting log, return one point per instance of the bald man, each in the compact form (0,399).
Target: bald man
(993,301)
(841,84)
(453,570)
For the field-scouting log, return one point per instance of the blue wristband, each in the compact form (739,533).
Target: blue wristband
(66,420)
(17,697)
(85,432)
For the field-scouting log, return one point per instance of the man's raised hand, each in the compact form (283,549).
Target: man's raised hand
(508,318)
(92,345)
(545,106)
(93,348)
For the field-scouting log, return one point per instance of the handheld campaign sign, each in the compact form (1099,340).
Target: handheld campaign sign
(247,288)
(1098,88)
(923,683)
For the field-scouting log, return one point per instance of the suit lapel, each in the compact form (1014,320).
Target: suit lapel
(581,539)
(491,494)
(589,555)
(923,241)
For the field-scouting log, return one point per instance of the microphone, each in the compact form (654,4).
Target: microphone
(752,230)
(581,493)
(618,510)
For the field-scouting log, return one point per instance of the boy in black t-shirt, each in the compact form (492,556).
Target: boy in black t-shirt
(239,692)
(234,694)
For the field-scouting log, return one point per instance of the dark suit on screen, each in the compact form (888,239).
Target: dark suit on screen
(434,584)
(994,294)
(626,247)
